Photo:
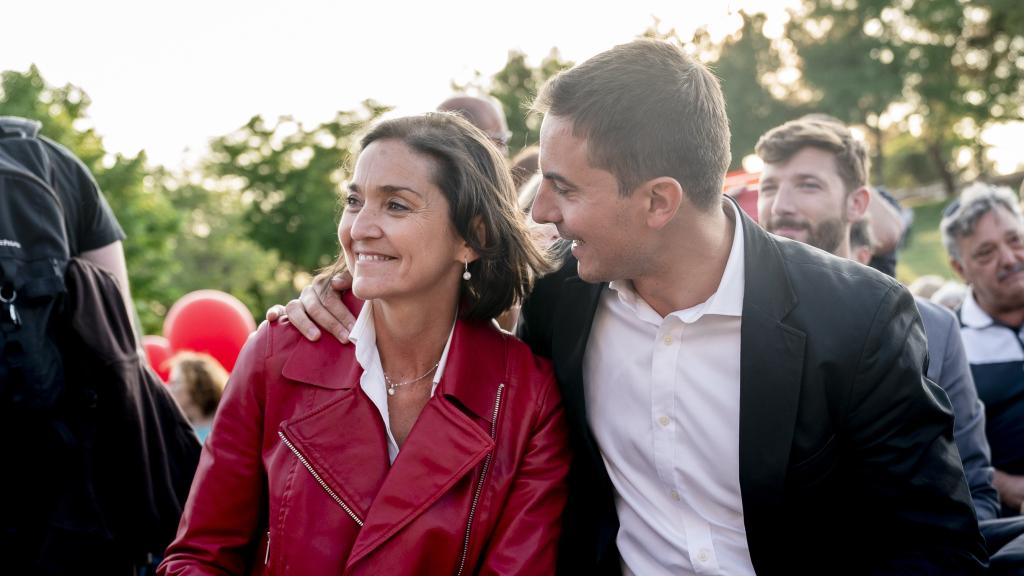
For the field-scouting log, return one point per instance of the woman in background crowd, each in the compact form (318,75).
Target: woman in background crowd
(197,382)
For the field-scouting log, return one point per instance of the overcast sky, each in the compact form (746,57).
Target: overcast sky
(166,76)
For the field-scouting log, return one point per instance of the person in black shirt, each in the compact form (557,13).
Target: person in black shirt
(94,233)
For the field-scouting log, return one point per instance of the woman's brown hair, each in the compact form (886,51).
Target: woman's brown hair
(475,179)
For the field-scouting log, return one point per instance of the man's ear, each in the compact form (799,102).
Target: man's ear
(857,204)
(958,268)
(662,197)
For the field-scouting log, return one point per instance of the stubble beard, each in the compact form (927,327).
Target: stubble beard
(826,235)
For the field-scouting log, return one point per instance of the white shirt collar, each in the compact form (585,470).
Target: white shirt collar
(373,382)
(364,336)
(727,299)
(971,313)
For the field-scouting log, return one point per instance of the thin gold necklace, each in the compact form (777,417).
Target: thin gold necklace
(392,385)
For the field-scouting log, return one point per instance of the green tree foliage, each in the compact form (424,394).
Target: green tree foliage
(745,62)
(949,68)
(215,252)
(151,225)
(288,179)
(515,86)
(184,232)
(61,109)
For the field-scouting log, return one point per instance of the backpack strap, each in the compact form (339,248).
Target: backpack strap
(27,129)
(14,126)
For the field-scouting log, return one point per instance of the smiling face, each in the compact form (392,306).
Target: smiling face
(805,199)
(396,231)
(992,261)
(584,204)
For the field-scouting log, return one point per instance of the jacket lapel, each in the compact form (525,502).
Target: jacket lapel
(342,436)
(771,369)
(443,446)
(446,443)
(574,317)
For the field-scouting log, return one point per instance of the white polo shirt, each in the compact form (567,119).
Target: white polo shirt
(663,401)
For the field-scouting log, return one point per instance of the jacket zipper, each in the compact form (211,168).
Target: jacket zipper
(266,557)
(480,482)
(334,496)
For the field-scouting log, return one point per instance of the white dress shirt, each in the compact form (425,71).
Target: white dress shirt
(364,336)
(663,401)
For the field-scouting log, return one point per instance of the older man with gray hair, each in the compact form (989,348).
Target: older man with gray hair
(984,235)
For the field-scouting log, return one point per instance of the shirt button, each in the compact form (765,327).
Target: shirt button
(667,340)
(675,495)
(664,421)
(703,555)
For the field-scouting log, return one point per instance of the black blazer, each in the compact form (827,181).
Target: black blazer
(847,462)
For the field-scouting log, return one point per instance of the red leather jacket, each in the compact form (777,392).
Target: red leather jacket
(295,478)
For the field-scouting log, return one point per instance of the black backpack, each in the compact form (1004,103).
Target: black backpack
(33,258)
(97,459)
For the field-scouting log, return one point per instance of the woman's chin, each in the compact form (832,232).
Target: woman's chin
(367,289)
(362,289)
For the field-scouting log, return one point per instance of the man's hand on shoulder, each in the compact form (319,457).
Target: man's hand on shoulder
(319,307)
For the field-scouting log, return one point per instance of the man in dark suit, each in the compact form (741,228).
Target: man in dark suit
(843,458)
(815,172)
(814,190)
(737,402)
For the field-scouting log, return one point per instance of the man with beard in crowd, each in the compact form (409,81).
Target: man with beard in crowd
(814,190)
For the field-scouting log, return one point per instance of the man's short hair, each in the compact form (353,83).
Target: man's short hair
(647,110)
(961,217)
(783,142)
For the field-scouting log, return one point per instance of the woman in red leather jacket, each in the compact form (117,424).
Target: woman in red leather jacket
(436,443)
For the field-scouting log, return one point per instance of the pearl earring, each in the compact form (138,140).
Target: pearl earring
(466,275)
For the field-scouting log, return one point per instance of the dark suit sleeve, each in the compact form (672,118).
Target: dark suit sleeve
(536,316)
(530,328)
(900,426)
(969,430)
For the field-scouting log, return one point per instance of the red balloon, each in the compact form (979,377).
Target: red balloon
(158,351)
(209,321)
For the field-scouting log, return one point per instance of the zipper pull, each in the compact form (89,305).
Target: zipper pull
(266,557)
(15,317)
(8,303)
